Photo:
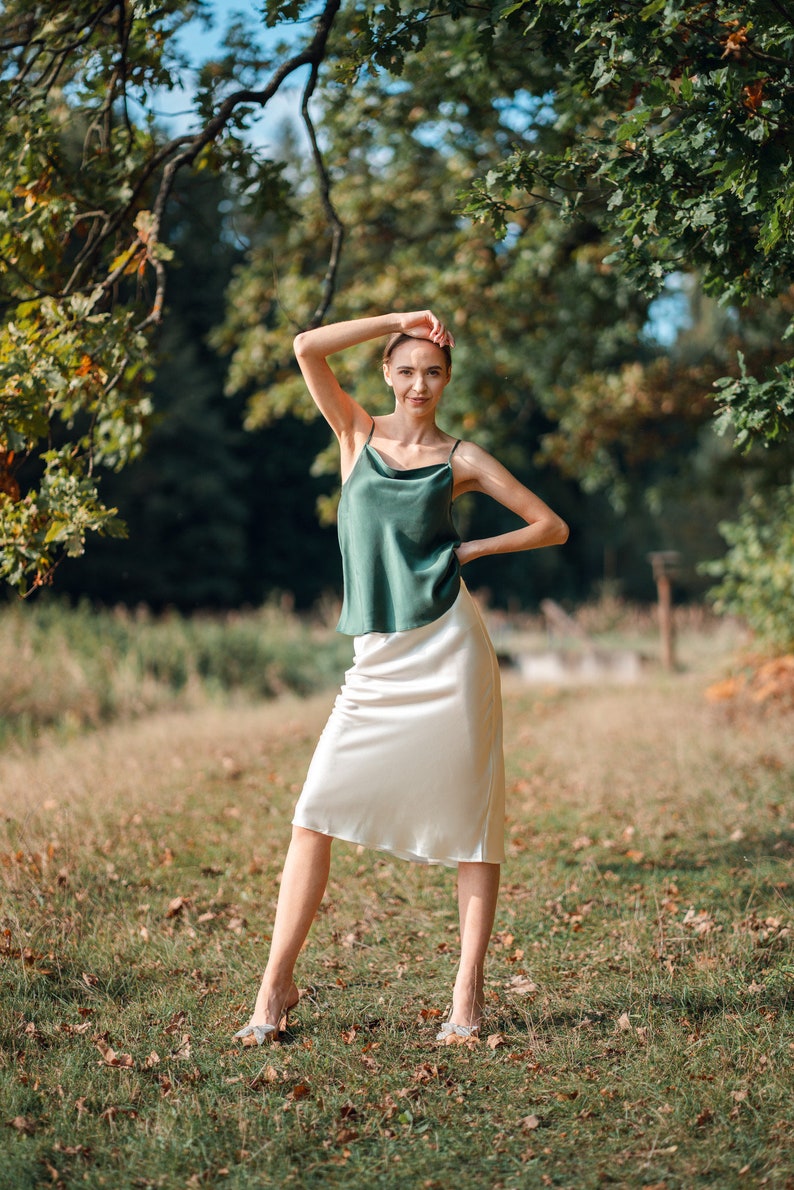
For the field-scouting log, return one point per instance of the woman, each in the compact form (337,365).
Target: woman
(411,758)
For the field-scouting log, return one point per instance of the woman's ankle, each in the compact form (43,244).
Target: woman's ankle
(275,997)
(468,998)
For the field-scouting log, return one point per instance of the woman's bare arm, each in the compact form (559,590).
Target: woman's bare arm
(477,471)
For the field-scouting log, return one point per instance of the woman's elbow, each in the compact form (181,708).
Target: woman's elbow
(561,531)
(299,344)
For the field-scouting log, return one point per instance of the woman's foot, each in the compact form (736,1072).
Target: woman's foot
(466,1015)
(270,1013)
(450,1029)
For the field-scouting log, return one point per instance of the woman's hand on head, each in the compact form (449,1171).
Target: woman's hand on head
(423,324)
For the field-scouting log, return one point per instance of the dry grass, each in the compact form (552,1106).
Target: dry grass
(83,667)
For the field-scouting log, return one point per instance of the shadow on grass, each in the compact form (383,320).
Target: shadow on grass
(698,1005)
(777,847)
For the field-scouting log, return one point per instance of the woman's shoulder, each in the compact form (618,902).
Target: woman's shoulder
(477,470)
(471,455)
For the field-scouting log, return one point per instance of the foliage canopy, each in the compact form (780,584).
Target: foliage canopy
(598,150)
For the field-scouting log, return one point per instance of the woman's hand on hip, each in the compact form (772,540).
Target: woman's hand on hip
(466,552)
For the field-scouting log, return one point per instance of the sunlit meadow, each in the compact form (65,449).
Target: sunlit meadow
(639,1013)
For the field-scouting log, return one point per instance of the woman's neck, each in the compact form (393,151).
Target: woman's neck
(410,431)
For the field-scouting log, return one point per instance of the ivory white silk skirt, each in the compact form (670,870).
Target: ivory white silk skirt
(411,759)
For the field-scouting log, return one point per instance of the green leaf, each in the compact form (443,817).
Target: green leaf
(650,10)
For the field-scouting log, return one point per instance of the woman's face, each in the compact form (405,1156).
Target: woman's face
(418,372)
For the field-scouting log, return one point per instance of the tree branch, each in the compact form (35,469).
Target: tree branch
(337,227)
(58,56)
(312,56)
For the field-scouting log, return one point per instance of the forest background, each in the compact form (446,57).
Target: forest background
(600,206)
(598,198)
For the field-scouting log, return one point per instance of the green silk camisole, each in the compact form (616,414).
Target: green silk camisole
(397,539)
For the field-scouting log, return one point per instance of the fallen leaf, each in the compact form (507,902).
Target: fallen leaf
(110,1057)
(522,985)
(456,1039)
(429,1014)
(176,906)
(624,1025)
(530,1123)
(110,1113)
(176,1022)
(71,1150)
(495,1040)
(425,1073)
(504,939)
(723,690)
(183,1049)
(22,1124)
(701,922)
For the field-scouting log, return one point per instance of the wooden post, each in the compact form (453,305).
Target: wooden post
(665,565)
(666,620)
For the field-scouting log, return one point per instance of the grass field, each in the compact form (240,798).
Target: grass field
(641,981)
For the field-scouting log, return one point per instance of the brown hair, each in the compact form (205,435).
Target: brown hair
(400,337)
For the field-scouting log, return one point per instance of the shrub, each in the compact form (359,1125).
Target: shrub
(758,570)
(76,667)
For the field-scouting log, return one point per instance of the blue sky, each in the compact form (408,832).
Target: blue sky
(202,42)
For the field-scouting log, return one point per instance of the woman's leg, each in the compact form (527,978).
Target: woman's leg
(478,889)
(303,883)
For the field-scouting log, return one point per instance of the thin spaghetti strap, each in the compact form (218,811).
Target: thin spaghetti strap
(371,432)
(454,448)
